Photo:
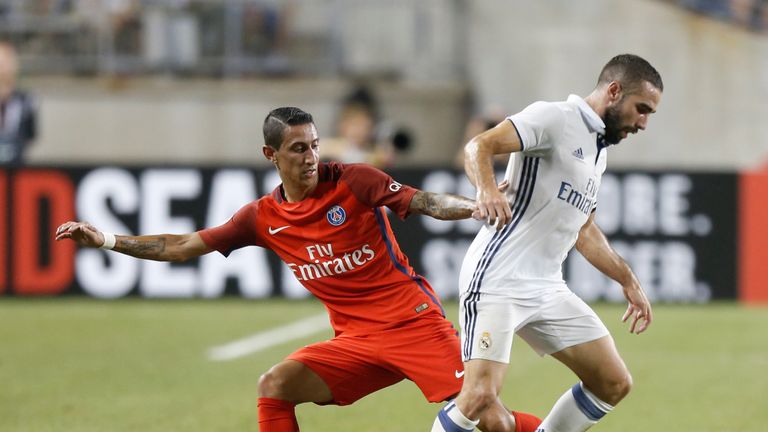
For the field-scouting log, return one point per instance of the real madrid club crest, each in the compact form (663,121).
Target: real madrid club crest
(336,215)
(485,341)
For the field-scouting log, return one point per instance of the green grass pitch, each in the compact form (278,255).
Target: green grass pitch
(77,364)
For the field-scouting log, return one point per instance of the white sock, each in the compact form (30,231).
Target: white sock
(576,411)
(450,419)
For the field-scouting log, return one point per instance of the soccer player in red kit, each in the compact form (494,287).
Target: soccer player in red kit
(327,222)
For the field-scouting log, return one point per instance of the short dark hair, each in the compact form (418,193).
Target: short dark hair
(630,71)
(280,118)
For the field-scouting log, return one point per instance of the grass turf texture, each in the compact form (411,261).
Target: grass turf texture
(79,364)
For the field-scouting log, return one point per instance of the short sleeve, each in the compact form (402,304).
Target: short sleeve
(234,234)
(538,126)
(375,188)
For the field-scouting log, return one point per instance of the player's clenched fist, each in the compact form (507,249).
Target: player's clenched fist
(82,233)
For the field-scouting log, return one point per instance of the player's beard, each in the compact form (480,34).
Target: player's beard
(612,120)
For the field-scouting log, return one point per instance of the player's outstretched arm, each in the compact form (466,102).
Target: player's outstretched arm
(163,247)
(594,246)
(442,206)
(478,164)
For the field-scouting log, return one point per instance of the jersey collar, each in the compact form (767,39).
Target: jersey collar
(593,121)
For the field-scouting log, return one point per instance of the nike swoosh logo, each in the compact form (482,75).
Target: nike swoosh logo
(458,374)
(274,231)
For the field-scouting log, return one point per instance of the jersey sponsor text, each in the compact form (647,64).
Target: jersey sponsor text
(575,198)
(321,268)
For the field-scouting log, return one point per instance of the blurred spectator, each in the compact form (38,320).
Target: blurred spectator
(749,14)
(716,8)
(120,20)
(356,139)
(265,25)
(171,35)
(17,112)
(125,23)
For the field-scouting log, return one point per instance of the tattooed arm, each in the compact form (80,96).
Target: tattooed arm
(163,247)
(442,206)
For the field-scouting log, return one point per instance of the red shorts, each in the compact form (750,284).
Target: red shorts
(425,351)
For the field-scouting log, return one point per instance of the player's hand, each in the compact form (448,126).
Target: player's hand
(502,187)
(81,233)
(639,308)
(493,207)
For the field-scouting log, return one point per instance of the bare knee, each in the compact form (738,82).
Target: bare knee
(292,381)
(613,389)
(271,384)
(619,388)
(476,401)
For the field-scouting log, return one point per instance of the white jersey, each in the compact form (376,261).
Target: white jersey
(553,189)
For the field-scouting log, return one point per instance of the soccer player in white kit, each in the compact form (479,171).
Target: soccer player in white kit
(511,280)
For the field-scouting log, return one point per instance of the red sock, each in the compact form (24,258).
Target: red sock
(525,422)
(277,415)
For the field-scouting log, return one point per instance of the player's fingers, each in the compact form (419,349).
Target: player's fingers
(648,316)
(482,210)
(507,212)
(66,230)
(63,235)
(493,219)
(503,217)
(627,313)
(64,227)
(503,186)
(643,325)
(75,227)
(634,322)
(492,215)
(503,214)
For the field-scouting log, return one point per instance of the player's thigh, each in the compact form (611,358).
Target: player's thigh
(349,366)
(427,353)
(562,321)
(488,326)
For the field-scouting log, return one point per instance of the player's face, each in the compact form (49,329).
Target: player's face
(297,158)
(630,113)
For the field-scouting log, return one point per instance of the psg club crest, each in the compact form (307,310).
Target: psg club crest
(336,215)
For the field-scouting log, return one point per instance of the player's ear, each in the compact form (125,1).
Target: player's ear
(614,91)
(269,153)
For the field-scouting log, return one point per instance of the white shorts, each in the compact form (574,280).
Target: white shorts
(550,322)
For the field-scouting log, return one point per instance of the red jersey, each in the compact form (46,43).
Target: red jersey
(340,246)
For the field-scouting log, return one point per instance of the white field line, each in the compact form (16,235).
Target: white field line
(269,338)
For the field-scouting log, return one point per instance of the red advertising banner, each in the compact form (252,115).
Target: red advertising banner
(4,243)
(753,238)
(41,200)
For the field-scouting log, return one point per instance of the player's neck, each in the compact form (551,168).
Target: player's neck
(295,192)
(594,100)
